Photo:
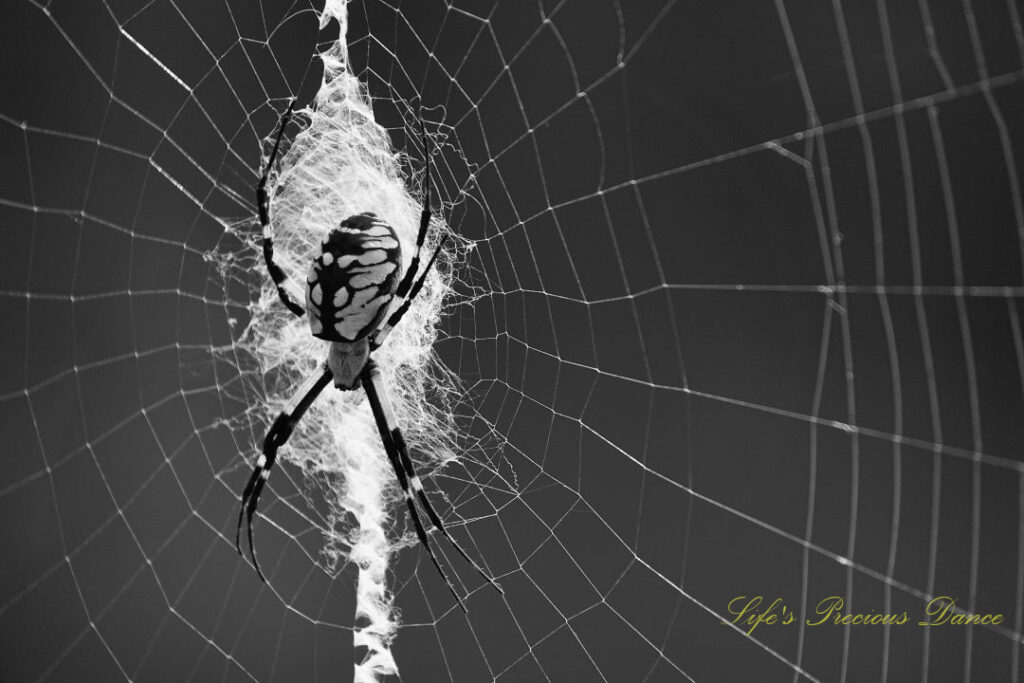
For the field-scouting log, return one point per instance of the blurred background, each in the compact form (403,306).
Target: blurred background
(742,319)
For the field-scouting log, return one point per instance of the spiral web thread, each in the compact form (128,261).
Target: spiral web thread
(735,311)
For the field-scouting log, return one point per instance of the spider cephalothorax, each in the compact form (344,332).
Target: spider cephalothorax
(350,289)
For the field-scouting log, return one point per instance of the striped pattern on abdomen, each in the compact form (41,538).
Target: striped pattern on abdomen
(352,282)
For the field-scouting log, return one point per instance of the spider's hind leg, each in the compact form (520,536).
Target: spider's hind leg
(409,287)
(263,205)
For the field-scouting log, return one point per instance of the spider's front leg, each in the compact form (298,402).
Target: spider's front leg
(398,454)
(276,437)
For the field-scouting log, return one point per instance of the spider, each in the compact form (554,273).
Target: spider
(350,288)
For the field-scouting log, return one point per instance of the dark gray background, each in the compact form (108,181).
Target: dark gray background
(748,287)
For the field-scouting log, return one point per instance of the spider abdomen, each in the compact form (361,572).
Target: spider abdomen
(352,282)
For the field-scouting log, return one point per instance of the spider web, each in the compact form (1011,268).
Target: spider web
(741,317)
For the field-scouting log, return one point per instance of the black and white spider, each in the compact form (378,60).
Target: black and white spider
(350,288)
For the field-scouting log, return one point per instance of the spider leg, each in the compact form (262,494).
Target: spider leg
(406,291)
(276,437)
(435,519)
(382,415)
(396,317)
(263,203)
(410,274)
(407,476)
